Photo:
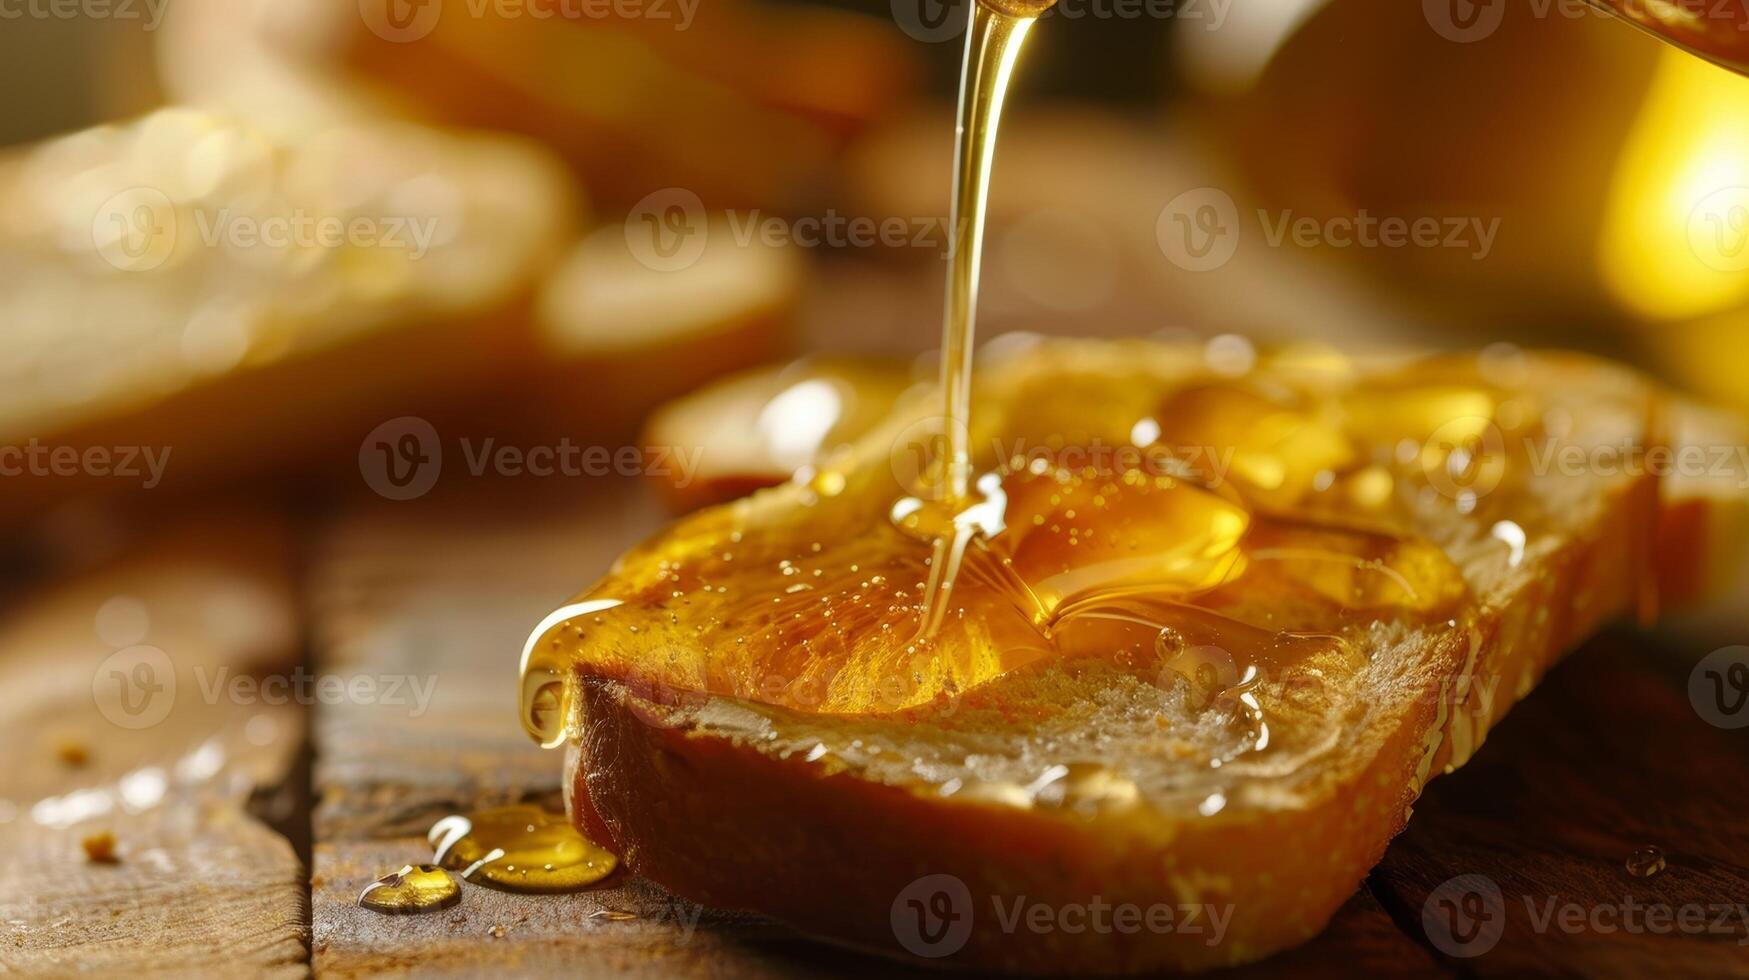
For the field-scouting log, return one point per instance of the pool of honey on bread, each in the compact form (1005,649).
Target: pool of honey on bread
(1228,535)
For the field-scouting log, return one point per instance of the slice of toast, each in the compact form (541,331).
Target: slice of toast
(626,100)
(194,291)
(621,331)
(757,428)
(1321,587)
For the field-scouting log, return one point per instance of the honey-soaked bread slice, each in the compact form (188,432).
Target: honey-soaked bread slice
(225,297)
(1214,637)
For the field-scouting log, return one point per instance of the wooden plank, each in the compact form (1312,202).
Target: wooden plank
(1361,940)
(630,929)
(140,723)
(1607,757)
(210,893)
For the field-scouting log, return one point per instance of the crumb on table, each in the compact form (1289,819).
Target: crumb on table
(99,847)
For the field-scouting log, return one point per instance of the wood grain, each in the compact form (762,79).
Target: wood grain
(1606,757)
(201,883)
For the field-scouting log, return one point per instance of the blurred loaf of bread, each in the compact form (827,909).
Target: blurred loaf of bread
(624,326)
(212,301)
(189,283)
(759,428)
(739,102)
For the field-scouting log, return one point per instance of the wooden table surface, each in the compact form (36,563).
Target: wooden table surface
(431,601)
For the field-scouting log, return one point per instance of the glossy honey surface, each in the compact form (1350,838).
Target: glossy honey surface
(1212,527)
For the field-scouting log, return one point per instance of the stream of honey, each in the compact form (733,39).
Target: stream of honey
(949,509)
(993,44)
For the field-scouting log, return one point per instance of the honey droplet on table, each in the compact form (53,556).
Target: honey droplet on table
(415,888)
(521,849)
(1645,862)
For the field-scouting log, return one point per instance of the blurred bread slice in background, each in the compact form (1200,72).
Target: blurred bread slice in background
(740,103)
(189,284)
(269,62)
(215,302)
(627,322)
(762,427)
